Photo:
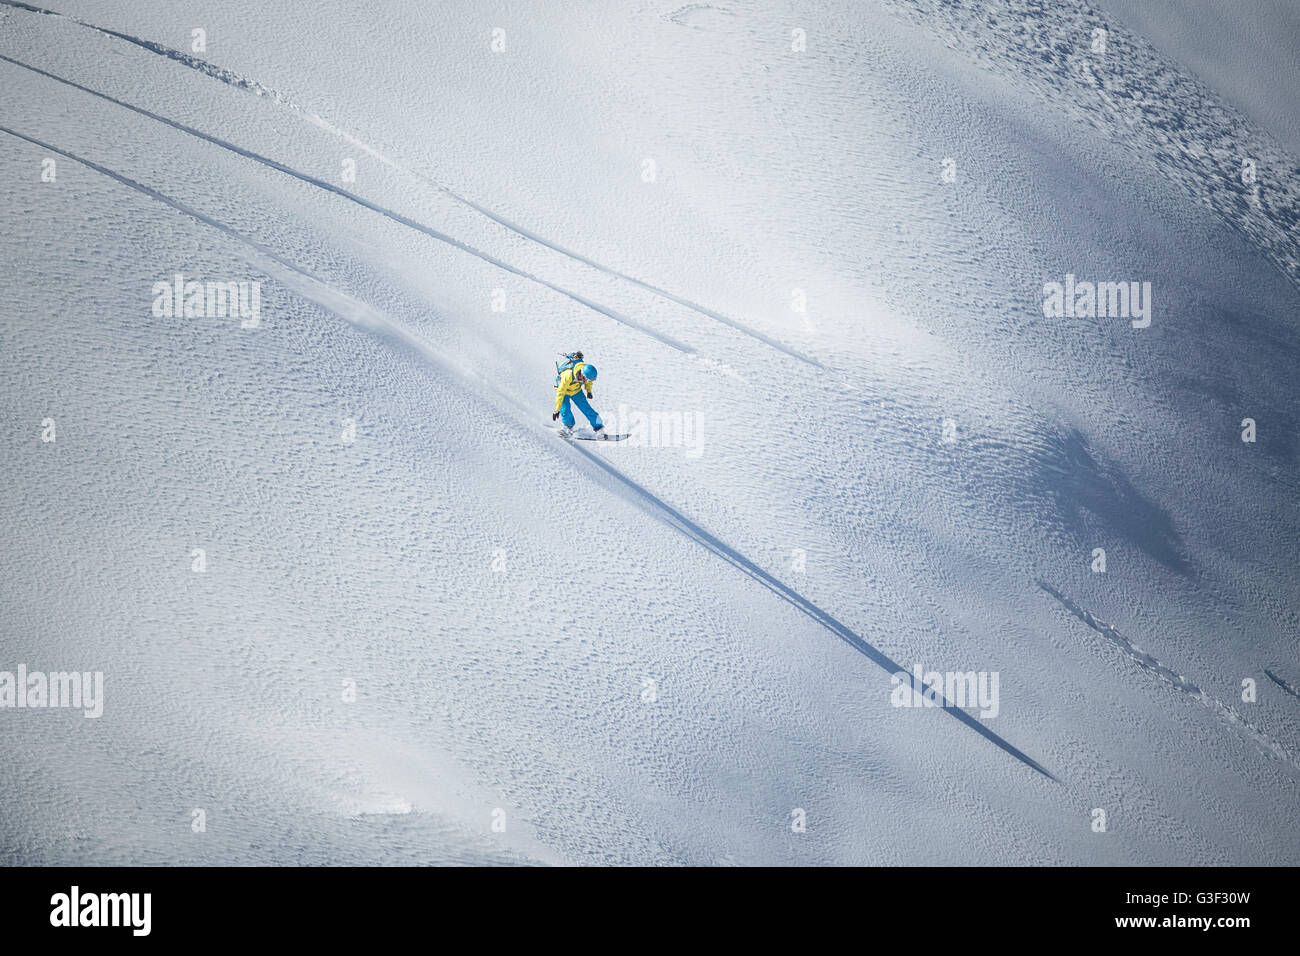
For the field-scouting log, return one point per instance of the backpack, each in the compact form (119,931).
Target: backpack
(571,360)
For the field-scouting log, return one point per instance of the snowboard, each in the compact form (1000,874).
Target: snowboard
(586,434)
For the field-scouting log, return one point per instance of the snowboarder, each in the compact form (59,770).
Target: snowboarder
(571,380)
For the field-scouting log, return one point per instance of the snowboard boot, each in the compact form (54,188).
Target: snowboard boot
(601,434)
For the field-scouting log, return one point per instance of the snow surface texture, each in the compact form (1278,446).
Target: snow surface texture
(457,638)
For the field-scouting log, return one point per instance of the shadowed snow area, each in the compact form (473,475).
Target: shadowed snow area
(353,599)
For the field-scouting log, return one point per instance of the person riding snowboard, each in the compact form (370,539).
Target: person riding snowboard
(571,379)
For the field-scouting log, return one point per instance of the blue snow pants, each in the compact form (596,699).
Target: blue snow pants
(584,406)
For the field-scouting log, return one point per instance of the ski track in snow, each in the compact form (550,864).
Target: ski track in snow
(373,207)
(252,86)
(366,317)
(339,303)
(1178,682)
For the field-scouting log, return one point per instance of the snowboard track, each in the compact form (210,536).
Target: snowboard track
(367,204)
(235,80)
(1180,684)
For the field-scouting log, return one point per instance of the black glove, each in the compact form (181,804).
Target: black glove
(589,394)
(555,416)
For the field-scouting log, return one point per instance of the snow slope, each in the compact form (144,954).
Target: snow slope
(631,653)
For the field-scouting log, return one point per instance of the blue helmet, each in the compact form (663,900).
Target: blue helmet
(589,372)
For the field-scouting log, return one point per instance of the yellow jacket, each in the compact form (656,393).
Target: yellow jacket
(569,385)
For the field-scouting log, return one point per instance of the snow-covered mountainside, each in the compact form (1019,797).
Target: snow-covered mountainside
(354,601)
